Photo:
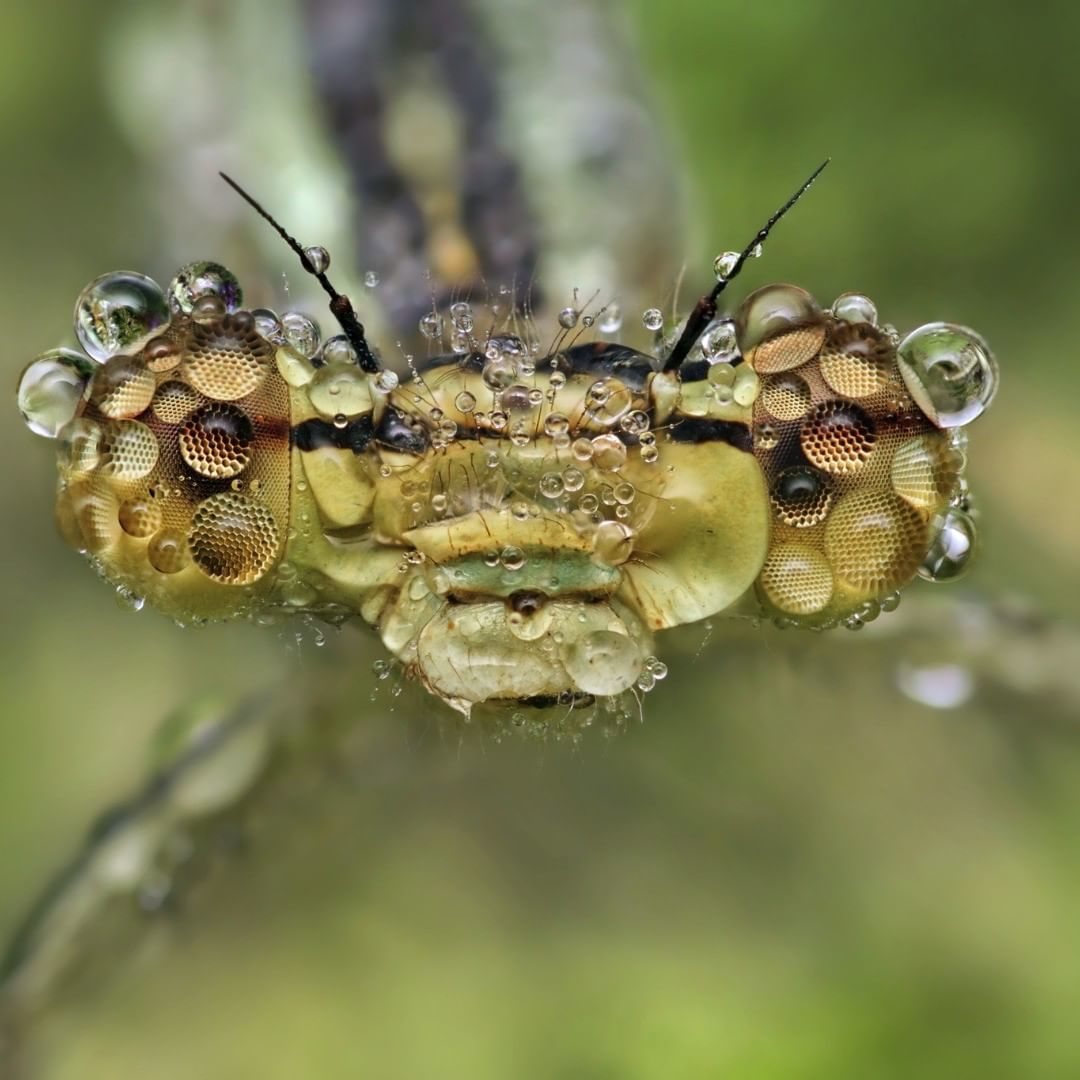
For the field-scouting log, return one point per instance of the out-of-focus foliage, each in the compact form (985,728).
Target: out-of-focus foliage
(789,869)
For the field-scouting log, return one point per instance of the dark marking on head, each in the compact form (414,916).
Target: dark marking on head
(603,360)
(568,698)
(693,429)
(319,434)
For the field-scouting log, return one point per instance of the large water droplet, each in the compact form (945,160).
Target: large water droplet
(652,319)
(949,371)
(340,391)
(568,318)
(774,310)
(51,388)
(951,548)
(198,280)
(119,312)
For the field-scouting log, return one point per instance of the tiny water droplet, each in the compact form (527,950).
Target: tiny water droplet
(724,264)
(318,258)
(652,319)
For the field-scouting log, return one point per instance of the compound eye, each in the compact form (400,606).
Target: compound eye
(51,389)
(779,327)
(174,460)
(949,371)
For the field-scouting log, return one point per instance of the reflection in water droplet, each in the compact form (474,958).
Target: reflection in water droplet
(568,318)
(949,371)
(201,279)
(119,312)
(318,258)
(855,308)
(430,325)
(51,388)
(724,264)
(951,547)
(337,351)
(301,332)
(719,343)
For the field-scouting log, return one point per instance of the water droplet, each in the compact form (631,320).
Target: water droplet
(635,423)
(951,547)
(462,316)
(208,310)
(573,479)
(499,371)
(301,332)
(652,319)
(337,351)
(589,503)
(551,485)
(200,279)
(129,601)
(774,310)
(949,371)
(608,452)
(382,669)
(656,667)
(268,325)
(119,312)
(568,318)
(649,454)
(465,402)
(340,391)
(318,258)
(371,279)
(386,381)
(512,558)
(51,388)
(746,385)
(609,320)
(853,307)
(724,264)
(430,325)
(719,342)
(587,321)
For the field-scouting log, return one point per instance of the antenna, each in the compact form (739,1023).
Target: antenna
(705,309)
(340,306)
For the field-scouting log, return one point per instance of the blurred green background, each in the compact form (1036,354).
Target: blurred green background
(789,870)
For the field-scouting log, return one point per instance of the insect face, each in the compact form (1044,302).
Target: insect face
(516,526)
